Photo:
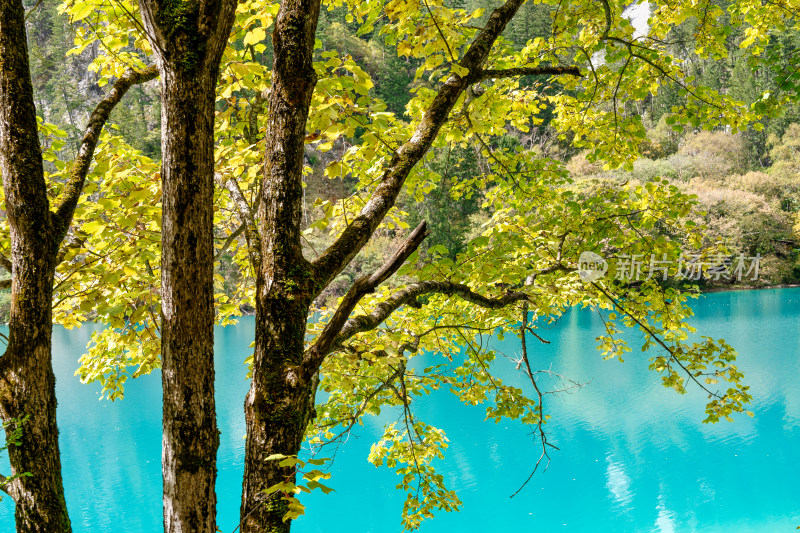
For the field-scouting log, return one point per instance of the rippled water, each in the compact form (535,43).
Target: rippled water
(634,456)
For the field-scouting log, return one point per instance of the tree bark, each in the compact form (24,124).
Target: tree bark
(27,382)
(277,410)
(279,404)
(189,39)
(190,438)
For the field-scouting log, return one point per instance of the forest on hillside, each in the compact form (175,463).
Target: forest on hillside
(747,184)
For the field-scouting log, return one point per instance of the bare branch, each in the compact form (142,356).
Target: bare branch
(529,71)
(540,408)
(81,164)
(409,295)
(359,231)
(315,354)
(5,262)
(248,221)
(232,237)
(532,332)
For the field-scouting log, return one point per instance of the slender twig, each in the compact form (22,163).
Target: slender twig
(656,338)
(441,34)
(232,237)
(540,405)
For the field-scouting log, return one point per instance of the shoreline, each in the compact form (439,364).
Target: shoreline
(702,291)
(751,287)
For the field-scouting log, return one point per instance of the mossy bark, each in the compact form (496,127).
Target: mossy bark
(277,410)
(278,406)
(27,388)
(188,37)
(27,382)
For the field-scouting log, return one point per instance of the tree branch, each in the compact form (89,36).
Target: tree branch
(232,237)
(73,243)
(540,404)
(362,407)
(316,353)
(4,485)
(356,235)
(5,263)
(529,71)
(607,13)
(80,166)
(439,29)
(409,295)
(647,329)
(248,221)
(256,108)
(7,487)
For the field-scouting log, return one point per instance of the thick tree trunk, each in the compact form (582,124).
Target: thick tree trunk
(278,406)
(277,410)
(28,385)
(190,437)
(27,382)
(28,389)
(189,38)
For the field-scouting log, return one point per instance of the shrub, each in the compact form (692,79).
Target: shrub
(785,189)
(748,222)
(580,167)
(785,153)
(713,155)
(645,170)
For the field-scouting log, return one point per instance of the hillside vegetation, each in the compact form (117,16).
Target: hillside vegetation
(747,185)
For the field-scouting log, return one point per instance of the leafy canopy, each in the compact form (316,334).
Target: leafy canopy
(519,264)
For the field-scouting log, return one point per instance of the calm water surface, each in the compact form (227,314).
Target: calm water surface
(634,456)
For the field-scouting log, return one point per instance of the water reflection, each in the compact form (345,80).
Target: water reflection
(618,483)
(634,456)
(665,521)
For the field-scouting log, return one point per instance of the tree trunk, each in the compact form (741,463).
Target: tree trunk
(277,410)
(27,382)
(189,38)
(190,437)
(278,406)
(28,389)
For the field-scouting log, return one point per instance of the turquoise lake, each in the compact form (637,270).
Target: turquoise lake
(634,457)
